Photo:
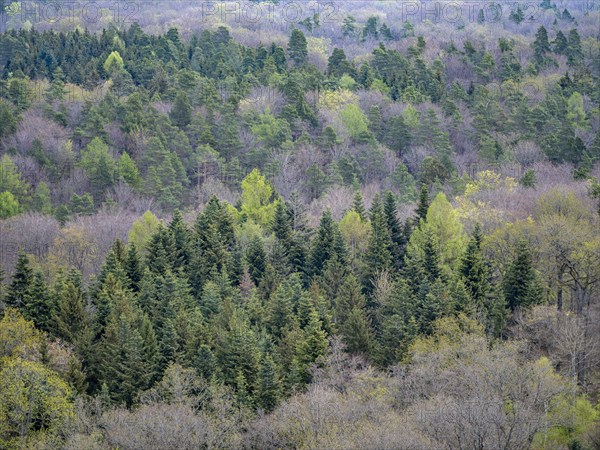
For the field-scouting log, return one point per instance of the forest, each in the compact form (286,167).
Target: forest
(273,225)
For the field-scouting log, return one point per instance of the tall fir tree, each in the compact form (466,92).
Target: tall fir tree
(521,285)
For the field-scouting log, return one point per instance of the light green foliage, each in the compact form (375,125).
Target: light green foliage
(34,401)
(257,199)
(128,171)
(10,179)
(114,59)
(9,205)
(270,131)
(355,120)
(575,112)
(142,230)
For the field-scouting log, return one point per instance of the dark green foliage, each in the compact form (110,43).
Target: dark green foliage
(19,290)
(327,243)
(256,259)
(423,205)
(474,270)
(521,285)
(297,47)
(181,113)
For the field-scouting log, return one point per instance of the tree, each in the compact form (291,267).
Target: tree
(9,205)
(128,171)
(19,289)
(521,285)
(35,401)
(99,166)
(257,201)
(41,199)
(474,270)
(349,26)
(8,122)
(338,65)
(114,61)
(11,181)
(378,257)
(268,389)
(181,113)
(297,47)
(38,306)
(574,50)
(164,174)
(423,205)
(541,46)
(326,244)
(256,258)
(517,15)
(142,230)
(357,334)
(310,348)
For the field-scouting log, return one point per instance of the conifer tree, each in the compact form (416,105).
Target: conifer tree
(297,47)
(268,389)
(256,259)
(327,243)
(378,257)
(395,229)
(357,333)
(521,284)
(474,270)
(19,289)
(423,205)
(359,205)
(311,348)
(38,306)
(133,267)
(181,113)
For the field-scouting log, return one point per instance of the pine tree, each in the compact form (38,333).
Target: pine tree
(574,49)
(521,284)
(560,44)
(541,46)
(517,15)
(181,113)
(297,47)
(20,288)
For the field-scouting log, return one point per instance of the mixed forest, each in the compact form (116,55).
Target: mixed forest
(354,229)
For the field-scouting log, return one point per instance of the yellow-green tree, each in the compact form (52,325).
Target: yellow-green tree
(257,199)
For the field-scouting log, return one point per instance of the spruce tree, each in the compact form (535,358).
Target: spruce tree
(357,333)
(423,205)
(268,389)
(38,306)
(327,243)
(20,288)
(378,257)
(521,284)
(395,229)
(359,205)
(133,268)
(256,259)
(474,270)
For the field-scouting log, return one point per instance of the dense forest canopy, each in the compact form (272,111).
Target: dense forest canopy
(363,224)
